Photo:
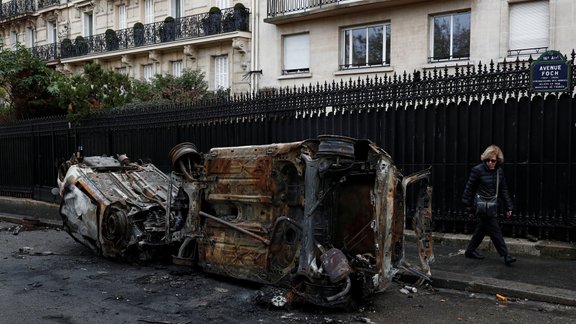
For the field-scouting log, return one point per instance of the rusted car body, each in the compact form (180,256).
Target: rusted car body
(324,217)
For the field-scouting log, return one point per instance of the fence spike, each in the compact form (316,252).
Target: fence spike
(416,76)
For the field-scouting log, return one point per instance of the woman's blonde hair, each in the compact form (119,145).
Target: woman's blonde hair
(491,150)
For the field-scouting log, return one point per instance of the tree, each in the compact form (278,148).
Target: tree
(190,86)
(25,79)
(94,89)
(30,89)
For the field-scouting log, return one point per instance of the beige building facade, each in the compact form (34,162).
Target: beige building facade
(140,38)
(310,42)
(279,43)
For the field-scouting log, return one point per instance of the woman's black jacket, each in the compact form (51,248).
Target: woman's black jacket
(482,181)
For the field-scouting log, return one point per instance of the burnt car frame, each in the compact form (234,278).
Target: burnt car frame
(324,217)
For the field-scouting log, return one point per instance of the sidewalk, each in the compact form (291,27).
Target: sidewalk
(544,270)
(29,212)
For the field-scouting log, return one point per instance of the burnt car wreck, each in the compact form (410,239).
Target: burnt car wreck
(323,217)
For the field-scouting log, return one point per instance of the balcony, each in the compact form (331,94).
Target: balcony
(18,8)
(283,7)
(287,11)
(146,36)
(42,4)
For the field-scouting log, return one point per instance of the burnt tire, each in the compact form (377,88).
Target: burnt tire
(114,227)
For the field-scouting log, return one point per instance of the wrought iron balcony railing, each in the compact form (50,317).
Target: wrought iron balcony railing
(283,7)
(47,3)
(201,25)
(16,8)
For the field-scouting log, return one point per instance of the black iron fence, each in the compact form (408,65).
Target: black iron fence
(433,118)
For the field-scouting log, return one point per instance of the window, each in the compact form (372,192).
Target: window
(52,32)
(366,46)
(177,8)
(223,4)
(88,24)
(122,70)
(30,37)
(122,17)
(13,39)
(529,23)
(177,68)
(148,72)
(450,39)
(149,11)
(296,54)
(221,72)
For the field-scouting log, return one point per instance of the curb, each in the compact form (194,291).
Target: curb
(29,208)
(458,281)
(30,222)
(30,212)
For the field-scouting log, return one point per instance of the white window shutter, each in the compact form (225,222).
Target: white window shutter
(122,70)
(221,72)
(149,11)
(30,37)
(13,39)
(529,25)
(296,52)
(122,24)
(148,72)
(52,32)
(88,24)
(222,4)
(177,69)
(177,8)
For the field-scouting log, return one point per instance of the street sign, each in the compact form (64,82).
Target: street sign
(551,72)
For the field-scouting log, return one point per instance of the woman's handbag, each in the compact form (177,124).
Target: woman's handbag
(488,205)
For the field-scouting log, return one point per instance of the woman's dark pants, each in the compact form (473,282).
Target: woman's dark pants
(488,225)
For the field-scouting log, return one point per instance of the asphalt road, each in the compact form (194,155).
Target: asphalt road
(47,277)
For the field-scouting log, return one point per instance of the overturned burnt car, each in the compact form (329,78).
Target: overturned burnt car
(323,217)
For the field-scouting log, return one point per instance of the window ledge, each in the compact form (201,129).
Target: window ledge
(519,58)
(448,64)
(295,76)
(381,69)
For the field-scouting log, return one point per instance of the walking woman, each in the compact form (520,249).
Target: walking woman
(487,186)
